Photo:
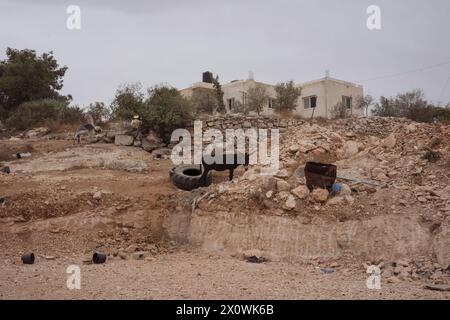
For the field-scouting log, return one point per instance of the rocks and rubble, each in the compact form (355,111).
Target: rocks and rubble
(381,172)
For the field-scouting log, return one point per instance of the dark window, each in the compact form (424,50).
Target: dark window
(310,102)
(347,102)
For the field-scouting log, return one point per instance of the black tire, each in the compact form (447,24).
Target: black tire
(189,177)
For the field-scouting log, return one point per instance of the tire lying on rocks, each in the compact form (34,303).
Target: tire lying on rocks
(189,177)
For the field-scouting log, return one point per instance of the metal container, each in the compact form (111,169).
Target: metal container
(320,175)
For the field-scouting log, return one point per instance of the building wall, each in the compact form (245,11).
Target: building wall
(236,90)
(199,86)
(329,93)
(336,89)
(308,90)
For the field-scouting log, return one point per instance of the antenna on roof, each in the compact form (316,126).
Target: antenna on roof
(327,73)
(251,76)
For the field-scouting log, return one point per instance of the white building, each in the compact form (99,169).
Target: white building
(318,97)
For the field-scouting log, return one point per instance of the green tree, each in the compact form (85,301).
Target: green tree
(204,101)
(128,101)
(219,95)
(411,105)
(166,110)
(386,108)
(25,76)
(340,111)
(99,111)
(287,95)
(257,98)
(48,112)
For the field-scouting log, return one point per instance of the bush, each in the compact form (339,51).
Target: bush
(43,112)
(163,111)
(26,76)
(287,95)
(99,112)
(204,101)
(442,114)
(166,110)
(411,105)
(340,111)
(128,102)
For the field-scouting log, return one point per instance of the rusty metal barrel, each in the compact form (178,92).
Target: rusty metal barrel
(320,175)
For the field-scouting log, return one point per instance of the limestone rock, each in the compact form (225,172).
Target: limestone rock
(123,140)
(283,186)
(290,203)
(389,142)
(301,192)
(320,195)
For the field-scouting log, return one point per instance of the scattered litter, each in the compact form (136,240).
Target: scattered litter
(28,258)
(23,155)
(327,270)
(336,189)
(255,259)
(254,256)
(99,258)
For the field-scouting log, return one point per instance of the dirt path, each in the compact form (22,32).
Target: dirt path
(196,275)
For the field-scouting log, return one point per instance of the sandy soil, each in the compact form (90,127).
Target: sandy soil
(50,209)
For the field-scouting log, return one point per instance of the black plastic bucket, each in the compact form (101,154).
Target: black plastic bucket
(99,258)
(320,175)
(28,258)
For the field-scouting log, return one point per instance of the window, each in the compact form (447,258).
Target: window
(347,102)
(270,103)
(310,102)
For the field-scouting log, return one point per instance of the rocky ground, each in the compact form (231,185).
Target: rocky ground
(67,201)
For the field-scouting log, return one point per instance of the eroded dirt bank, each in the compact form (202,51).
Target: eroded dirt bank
(66,201)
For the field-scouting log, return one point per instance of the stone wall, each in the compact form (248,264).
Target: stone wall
(245,122)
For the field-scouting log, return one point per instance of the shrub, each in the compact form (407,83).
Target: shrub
(340,111)
(411,105)
(166,110)
(99,111)
(257,98)
(204,101)
(44,112)
(442,114)
(128,101)
(287,95)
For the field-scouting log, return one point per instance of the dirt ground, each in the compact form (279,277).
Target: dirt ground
(68,201)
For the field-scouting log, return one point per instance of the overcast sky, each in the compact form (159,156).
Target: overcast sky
(175,41)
